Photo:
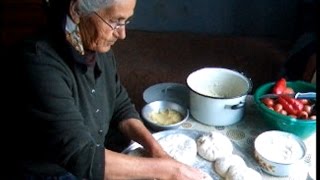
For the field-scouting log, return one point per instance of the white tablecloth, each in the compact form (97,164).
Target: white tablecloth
(245,131)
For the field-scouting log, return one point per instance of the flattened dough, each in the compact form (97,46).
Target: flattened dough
(214,145)
(180,147)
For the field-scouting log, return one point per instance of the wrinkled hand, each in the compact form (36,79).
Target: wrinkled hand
(181,171)
(178,170)
(159,153)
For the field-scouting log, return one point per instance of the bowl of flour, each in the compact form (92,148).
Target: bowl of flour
(279,153)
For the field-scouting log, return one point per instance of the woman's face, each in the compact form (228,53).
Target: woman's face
(97,29)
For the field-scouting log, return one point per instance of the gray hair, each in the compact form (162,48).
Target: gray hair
(89,6)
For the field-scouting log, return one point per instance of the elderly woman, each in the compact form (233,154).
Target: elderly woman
(74,99)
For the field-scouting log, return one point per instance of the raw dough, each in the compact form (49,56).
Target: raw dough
(180,147)
(242,173)
(221,165)
(214,145)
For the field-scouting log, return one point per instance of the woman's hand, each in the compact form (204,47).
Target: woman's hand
(159,165)
(135,130)
(160,153)
(180,171)
(122,166)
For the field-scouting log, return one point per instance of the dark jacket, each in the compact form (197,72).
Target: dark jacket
(69,107)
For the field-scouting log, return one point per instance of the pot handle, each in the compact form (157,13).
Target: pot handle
(236,106)
(168,88)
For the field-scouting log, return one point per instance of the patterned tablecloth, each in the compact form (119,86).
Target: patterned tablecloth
(245,131)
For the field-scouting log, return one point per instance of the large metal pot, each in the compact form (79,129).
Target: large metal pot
(217,95)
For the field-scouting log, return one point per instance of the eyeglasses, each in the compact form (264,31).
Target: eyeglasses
(115,25)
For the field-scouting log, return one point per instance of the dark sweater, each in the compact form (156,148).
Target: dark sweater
(71,106)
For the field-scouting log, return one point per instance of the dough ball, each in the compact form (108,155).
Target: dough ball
(214,145)
(221,165)
(180,147)
(242,173)
(236,173)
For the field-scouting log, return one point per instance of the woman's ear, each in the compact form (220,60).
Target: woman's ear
(74,11)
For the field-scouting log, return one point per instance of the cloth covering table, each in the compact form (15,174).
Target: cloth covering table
(244,132)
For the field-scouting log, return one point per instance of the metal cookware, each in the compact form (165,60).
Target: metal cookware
(217,95)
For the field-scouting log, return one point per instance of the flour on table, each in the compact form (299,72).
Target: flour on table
(253,174)
(206,176)
(180,147)
(214,145)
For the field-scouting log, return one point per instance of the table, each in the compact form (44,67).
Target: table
(245,131)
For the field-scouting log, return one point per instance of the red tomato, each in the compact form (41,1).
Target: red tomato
(303,115)
(307,108)
(279,86)
(304,101)
(314,117)
(277,107)
(287,106)
(268,102)
(297,105)
(283,112)
(288,90)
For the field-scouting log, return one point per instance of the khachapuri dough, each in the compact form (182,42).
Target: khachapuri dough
(214,145)
(242,173)
(180,147)
(221,165)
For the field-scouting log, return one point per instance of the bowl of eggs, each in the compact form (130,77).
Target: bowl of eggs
(164,115)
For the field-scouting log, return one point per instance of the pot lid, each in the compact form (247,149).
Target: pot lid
(173,92)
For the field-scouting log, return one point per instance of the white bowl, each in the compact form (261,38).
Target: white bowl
(162,106)
(279,153)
